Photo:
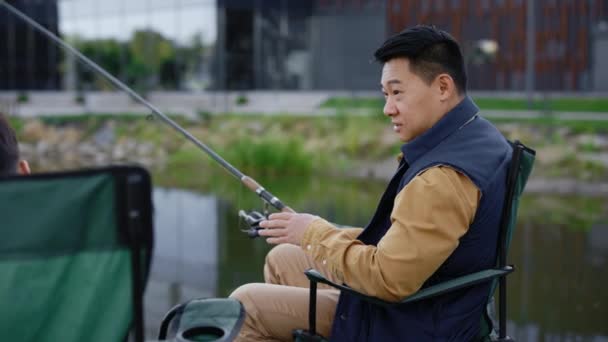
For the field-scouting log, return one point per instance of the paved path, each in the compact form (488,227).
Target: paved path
(190,104)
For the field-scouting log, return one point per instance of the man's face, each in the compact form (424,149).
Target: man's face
(411,103)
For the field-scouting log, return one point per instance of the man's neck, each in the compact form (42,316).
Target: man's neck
(454,101)
(450,104)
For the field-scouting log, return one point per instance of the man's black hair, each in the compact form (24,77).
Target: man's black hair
(9,149)
(430,51)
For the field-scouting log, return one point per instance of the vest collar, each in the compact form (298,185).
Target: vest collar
(451,122)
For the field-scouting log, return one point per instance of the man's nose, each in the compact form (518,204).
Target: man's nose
(389,108)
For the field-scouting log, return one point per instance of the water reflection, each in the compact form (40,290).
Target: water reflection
(597,241)
(556,294)
(559,286)
(185,259)
(187,245)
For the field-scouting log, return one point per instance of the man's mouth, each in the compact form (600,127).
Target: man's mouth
(396,126)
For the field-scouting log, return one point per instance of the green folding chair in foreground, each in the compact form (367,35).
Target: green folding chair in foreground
(520,168)
(74,255)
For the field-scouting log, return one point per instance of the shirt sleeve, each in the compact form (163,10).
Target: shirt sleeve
(430,215)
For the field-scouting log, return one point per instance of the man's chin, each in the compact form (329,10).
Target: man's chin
(406,139)
(409,137)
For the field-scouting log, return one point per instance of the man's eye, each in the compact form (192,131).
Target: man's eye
(396,92)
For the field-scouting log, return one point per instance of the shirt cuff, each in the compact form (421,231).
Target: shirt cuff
(316,229)
(313,244)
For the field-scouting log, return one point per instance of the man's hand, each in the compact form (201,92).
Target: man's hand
(286,227)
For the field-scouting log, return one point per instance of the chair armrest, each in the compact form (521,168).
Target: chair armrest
(459,283)
(316,276)
(435,290)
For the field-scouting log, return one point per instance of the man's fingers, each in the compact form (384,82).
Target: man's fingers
(272,232)
(280,216)
(273,223)
(276,241)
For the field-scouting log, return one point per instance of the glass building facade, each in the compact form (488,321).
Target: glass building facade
(28,60)
(280,44)
(151,44)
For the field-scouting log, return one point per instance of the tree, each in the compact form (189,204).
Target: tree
(147,61)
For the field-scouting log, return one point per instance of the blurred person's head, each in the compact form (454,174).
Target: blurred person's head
(10,164)
(423,78)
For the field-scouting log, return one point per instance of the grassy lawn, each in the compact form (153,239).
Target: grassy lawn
(559,105)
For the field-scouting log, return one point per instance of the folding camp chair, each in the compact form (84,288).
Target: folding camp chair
(75,252)
(521,165)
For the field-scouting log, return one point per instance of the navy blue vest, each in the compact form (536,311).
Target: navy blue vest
(472,145)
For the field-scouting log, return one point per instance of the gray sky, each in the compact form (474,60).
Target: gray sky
(175,19)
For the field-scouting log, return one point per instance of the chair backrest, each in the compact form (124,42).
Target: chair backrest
(75,252)
(522,162)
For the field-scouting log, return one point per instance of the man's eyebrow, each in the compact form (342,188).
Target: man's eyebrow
(393,81)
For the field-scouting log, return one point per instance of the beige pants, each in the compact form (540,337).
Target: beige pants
(276,308)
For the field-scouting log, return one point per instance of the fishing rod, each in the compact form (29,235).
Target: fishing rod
(253,218)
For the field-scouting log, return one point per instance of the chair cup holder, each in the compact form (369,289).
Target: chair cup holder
(202,334)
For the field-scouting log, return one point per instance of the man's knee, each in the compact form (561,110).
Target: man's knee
(281,253)
(281,261)
(245,293)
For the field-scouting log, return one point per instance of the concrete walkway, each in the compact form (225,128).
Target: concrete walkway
(192,104)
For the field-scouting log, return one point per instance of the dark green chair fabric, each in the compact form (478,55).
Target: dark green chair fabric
(520,168)
(203,320)
(75,252)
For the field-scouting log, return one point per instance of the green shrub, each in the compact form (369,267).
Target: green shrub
(270,156)
(204,117)
(241,100)
(79,99)
(23,97)
(16,123)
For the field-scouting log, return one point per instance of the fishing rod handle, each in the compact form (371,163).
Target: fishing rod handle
(265,195)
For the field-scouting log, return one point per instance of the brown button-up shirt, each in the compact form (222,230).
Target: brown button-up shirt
(429,216)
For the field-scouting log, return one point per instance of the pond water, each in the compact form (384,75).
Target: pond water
(560,251)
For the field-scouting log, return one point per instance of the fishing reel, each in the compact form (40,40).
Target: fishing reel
(253,219)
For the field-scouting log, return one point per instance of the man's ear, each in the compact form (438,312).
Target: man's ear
(23,168)
(446,85)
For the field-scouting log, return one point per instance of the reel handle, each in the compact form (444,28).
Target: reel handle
(253,219)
